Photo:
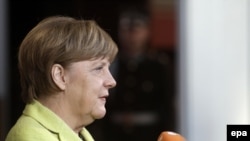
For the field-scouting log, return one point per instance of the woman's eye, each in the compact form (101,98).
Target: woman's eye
(99,68)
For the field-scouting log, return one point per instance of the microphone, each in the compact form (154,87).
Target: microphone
(170,136)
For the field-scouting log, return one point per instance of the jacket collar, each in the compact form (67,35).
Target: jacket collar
(53,123)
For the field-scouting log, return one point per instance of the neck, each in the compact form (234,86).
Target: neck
(57,104)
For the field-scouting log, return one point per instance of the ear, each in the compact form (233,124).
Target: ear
(58,76)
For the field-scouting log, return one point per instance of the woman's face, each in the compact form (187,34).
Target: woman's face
(87,87)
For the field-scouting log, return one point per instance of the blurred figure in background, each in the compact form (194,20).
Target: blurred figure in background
(138,108)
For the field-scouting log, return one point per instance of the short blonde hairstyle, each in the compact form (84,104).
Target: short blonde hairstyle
(59,40)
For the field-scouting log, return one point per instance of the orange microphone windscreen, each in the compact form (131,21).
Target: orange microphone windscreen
(170,136)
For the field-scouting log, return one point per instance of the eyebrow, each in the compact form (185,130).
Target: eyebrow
(101,61)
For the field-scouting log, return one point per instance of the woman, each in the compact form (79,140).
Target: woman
(65,78)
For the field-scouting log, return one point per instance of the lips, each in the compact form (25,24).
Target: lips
(104,97)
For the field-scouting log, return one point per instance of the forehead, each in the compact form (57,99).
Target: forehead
(102,60)
(92,62)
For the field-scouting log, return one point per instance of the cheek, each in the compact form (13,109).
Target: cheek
(78,92)
(94,92)
(90,93)
(86,91)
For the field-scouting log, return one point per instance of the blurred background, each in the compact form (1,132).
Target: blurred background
(201,48)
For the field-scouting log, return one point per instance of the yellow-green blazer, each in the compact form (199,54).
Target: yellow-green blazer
(38,123)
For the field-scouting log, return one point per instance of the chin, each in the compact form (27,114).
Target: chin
(100,114)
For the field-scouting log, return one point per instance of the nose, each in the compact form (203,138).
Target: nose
(110,81)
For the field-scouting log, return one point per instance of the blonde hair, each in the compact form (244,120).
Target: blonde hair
(59,40)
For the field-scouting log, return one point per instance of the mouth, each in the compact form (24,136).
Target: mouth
(104,97)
